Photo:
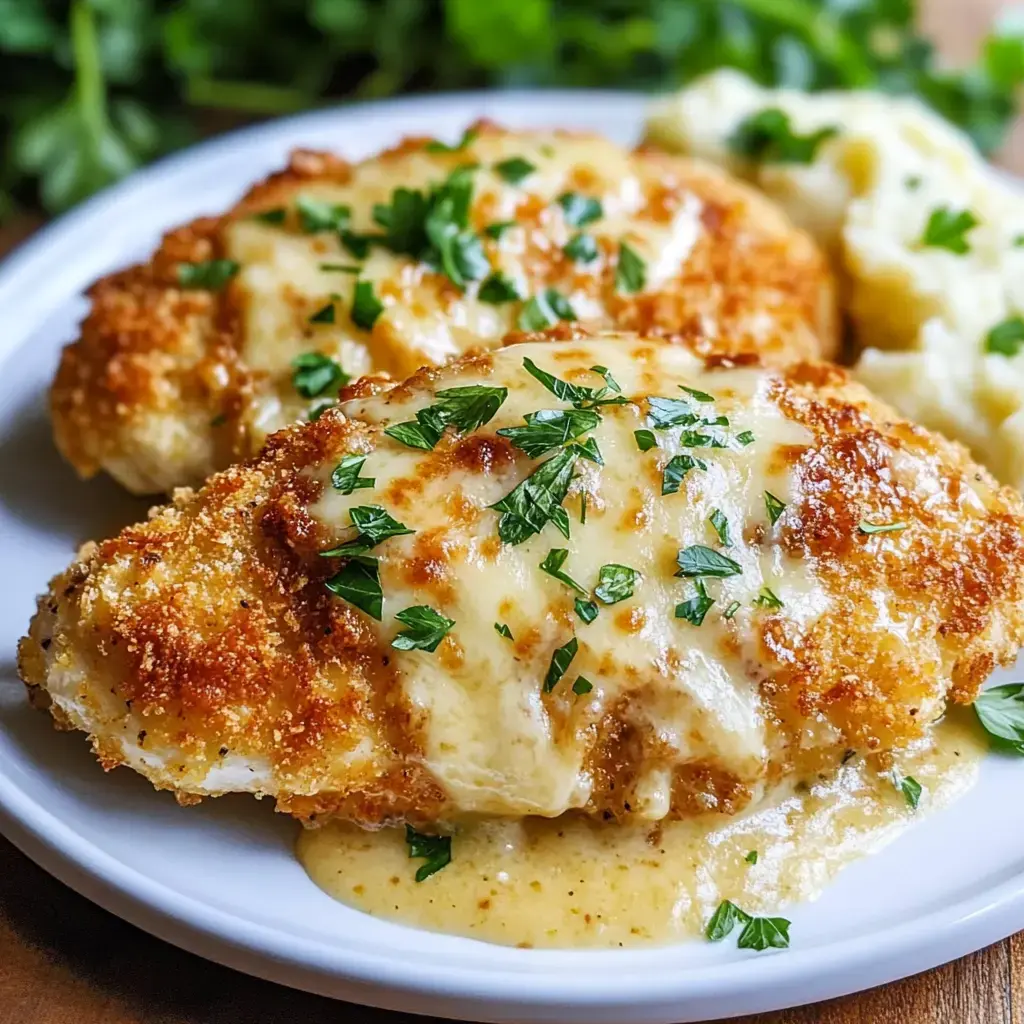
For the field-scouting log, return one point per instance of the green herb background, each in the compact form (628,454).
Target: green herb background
(91,89)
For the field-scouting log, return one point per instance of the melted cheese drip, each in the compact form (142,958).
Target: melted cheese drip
(493,740)
(426,320)
(572,882)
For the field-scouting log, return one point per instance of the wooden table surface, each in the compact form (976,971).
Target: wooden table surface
(65,961)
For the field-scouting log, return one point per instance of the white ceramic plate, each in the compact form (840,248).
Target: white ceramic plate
(221,879)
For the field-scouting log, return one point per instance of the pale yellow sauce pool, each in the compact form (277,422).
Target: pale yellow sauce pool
(572,882)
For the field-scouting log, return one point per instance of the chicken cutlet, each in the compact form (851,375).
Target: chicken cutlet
(598,573)
(243,323)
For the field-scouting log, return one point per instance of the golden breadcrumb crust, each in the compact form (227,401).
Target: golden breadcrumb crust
(159,389)
(207,630)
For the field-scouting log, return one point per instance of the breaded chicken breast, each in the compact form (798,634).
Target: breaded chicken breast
(243,323)
(597,574)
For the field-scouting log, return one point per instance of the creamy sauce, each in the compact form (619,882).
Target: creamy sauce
(569,881)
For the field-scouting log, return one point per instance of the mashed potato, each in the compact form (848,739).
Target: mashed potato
(922,313)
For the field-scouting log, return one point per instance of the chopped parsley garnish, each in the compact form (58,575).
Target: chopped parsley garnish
(545,310)
(675,469)
(582,686)
(275,215)
(374,524)
(502,630)
(694,609)
(729,612)
(366,307)
(560,662)
(498,288)
(552,565)
(768,136)
(767,598)
(343,268)
(912,182)
(317,215)
(1000,710)
(498,228)
(720,523)
(865,527)
(630,271)
(1018,241)
(346,478)
(324,315)
(209,274)
(580,210)
(515,169)
(645,440)
(583,508)
(549,429)
(759,933)
(581,248)
(1006,338)
(615,583)
(461,252)
(357,246)
(435,850)
(773,506)
(946,229)
(700,396)
(745,437)
(426,629)
(699,560)
(579,395)
(464,408)
(751,858)
(358,582)
(909,787)
(537,500)
(437,146)
(670,412)
(313,373)
(589,450)
(586,610)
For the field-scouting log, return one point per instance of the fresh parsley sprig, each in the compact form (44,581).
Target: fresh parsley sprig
(464,408)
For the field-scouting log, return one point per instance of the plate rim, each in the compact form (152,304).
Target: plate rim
(765,983)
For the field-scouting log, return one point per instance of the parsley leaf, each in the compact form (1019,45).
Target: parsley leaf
(343,268)
(461,252)
(909,787)
(700,396)
(579,395)
(773,506)
(1000,710)
(630,271)
(313,373)
(745,437)
(537,500)
(694,609)
(426,629)
(768,136)
(720,524)
(319,215)
(324,315)
(358,582)
(615,583)
(346,478)
(645,440)
(946,229)
(465,408)
(275,215)
(1006,338)
(366,307)
(579,209)
(502,630)
(581,248)
(545,310)
(724,920)
(552,565)
(375,524)
(436,850)
(610,382)
(869,528)
(582,686)
(586,610)
(767,598)
(498,288)
(549,429)
(762,933)
(498,228)
(729,612)
(437,146)
(676,469)
(699,560)
(515,169)
(209,274)
(670,412)
(560,662)
(751,858)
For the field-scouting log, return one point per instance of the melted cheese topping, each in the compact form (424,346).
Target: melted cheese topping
(575,882)
(512,749)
